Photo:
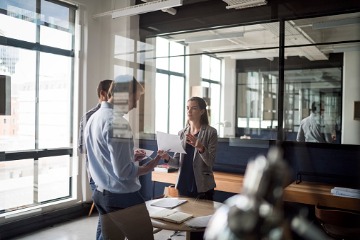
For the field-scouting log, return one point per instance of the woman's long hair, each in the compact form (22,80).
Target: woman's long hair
(204,119)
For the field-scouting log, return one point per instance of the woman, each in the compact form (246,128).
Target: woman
(199,139)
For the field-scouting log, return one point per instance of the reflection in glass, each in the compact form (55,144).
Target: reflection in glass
(124,48)
(320,58)
(335,28)
(305,86)
(257,105)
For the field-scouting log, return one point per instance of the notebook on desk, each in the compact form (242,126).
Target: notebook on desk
(171,215)
(168,202)
(345,192)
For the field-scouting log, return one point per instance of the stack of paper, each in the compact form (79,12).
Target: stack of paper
(171,215)
(165,168)
(346,192)
(168,202)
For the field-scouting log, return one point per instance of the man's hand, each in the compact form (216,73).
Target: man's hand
(139,155)
(149,166)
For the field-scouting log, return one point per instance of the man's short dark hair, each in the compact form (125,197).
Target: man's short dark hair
(104,85)
(316,106)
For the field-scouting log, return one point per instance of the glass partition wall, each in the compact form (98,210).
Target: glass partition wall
(255,99)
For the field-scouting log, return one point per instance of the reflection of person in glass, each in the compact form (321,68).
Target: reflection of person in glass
(110,144)
(313,127)
(199,140)
(102,92)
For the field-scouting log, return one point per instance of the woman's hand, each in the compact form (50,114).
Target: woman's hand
(193,141)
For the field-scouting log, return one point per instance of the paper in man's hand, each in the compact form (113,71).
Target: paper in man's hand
(169,142)
(148,154)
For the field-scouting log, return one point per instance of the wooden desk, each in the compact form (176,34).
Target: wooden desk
(226,182)
(318,194)
(195,207)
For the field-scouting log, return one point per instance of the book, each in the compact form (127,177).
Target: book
(354,190)
(168,202)
(165,168)
(345,193)
(171,215)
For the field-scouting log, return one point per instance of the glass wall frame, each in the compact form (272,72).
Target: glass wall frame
(273,53)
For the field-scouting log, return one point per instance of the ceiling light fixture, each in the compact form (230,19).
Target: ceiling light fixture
(171,10)
(240,4)
(152,6)
(214,37)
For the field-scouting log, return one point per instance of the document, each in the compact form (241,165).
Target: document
(169,142)
(171,215)
(168,202)
(148,153)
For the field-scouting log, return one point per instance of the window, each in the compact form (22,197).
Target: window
(170,86)
(37,55)
(211,76)
(320,71)
(264,93)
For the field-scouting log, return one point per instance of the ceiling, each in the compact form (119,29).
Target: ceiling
(259,41)
(262,40)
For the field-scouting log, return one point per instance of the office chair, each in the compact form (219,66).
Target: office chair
(339,223)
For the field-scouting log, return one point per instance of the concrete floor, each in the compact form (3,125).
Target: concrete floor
(82,229)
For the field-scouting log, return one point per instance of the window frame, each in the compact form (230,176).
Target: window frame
(37,153)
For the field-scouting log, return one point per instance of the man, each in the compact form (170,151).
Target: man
(313,129)
(102,91)
(109,143)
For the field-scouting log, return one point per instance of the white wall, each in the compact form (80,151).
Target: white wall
(351,93)
(228,97)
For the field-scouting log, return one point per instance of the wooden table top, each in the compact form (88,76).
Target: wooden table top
(318,194)
(226,182)
(197,208)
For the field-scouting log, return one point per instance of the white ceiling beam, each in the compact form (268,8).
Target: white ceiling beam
(141,8)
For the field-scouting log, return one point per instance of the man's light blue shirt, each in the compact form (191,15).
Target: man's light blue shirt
(312,130)
(109,143)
